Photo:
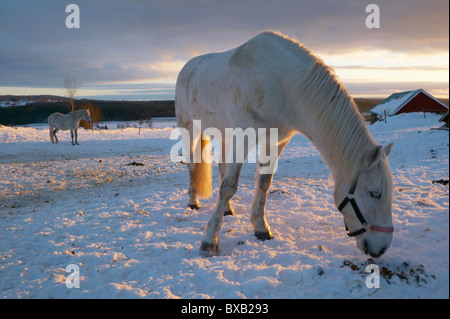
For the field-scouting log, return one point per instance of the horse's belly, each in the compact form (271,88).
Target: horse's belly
(63,127)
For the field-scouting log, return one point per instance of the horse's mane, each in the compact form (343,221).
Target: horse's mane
(344,137)
(343,134)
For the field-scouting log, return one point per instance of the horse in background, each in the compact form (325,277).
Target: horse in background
(71,121)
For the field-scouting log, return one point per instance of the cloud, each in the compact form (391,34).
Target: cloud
(126,41)
(384,89)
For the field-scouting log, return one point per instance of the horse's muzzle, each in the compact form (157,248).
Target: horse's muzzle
(375,253)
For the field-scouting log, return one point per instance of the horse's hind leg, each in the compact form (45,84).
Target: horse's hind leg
(51,135)
(54,134)
(193,201)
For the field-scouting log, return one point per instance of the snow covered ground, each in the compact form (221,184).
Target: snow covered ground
(115,206)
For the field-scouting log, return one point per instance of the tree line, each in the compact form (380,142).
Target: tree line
(38,112)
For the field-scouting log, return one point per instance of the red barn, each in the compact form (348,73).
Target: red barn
(408,102)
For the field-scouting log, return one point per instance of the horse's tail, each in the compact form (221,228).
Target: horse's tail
(202,172)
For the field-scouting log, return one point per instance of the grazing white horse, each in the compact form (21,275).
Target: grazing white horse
(272,81)
(71,121)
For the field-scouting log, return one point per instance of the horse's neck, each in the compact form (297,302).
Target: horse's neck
(343,143)
(77,115)
(343,140)
(331,120)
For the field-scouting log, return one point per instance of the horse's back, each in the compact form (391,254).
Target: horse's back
(61,121)
(52,117)
(194,76)
(242,86)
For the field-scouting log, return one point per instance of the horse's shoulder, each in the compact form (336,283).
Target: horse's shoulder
(265,45)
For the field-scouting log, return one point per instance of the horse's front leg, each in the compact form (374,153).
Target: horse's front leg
(76,136)
(258,219)
(228,210)
(71,135)
(228,187)
(263,181)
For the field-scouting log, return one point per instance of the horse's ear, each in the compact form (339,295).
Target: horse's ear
(373,156)
(387,149)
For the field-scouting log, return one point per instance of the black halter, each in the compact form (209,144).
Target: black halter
(365,225)
(351,198)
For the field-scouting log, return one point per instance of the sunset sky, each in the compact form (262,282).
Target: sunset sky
(133,50)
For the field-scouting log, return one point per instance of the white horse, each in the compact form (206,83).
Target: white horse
(71,121)
(272,81)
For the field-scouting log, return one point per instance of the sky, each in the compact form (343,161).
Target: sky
(134,50)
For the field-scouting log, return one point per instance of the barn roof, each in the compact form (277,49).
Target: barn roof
(395,102)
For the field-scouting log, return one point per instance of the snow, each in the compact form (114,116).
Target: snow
(15,103)
(128,229)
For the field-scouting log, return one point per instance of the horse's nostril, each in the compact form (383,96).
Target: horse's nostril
(365,246)
(376,255)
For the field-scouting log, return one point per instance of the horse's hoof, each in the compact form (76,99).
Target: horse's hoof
(263,235)
(194,206)
(228,213)
(209,250)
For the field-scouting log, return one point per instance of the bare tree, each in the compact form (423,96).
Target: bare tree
(95,114)
(71,85)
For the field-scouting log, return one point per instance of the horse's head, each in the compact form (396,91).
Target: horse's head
(366,203)
(87,115)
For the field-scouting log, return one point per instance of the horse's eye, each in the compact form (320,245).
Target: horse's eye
(375,195)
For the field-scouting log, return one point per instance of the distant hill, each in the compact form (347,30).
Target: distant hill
(365,104)
(33,98)
(40,107)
